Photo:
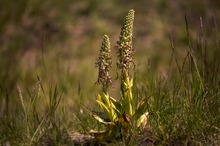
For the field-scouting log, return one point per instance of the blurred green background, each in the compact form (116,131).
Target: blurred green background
(59,41)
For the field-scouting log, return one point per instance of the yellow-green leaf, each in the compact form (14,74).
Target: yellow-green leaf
(105,99)
(142,121)
(99,135)
(105,109)
(99,119)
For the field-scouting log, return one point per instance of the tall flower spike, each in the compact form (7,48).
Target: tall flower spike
(125,51)
(104,63)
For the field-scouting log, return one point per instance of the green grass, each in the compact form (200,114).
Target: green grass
(42,103)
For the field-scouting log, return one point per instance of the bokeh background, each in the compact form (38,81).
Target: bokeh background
(59,41)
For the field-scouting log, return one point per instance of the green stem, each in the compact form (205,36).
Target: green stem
(127,94)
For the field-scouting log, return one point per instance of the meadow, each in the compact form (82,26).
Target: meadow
(49,73)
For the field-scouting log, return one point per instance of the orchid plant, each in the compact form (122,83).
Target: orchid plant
(118,116)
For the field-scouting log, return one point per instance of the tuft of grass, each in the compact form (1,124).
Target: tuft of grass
(180,104)
(32,124)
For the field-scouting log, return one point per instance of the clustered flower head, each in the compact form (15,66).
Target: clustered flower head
(125,51)
(104,63)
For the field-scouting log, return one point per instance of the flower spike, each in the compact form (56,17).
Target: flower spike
(125,51)
(104,63)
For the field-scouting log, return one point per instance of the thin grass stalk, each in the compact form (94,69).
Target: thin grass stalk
(192,58)
(25,112)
